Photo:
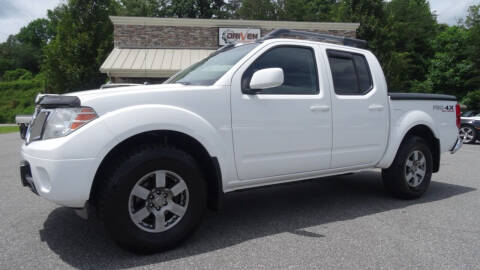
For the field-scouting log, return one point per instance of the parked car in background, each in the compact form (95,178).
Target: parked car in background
(470,126)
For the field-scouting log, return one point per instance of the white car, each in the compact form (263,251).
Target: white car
(151,158)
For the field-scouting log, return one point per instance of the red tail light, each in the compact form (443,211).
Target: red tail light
(458,112)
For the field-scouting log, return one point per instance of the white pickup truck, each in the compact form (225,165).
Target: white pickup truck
(151,158)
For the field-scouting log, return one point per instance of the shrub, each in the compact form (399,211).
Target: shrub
(18,97)
(472,100)
(17,74)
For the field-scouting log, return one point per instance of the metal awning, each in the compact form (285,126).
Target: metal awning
(161,63)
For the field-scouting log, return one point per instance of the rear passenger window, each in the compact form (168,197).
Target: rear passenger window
(350,73)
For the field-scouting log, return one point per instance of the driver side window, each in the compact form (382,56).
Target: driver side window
(299,70)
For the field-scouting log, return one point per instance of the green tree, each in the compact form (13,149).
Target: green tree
(292,10)
(173,8)
(24,50)
(15,54)
(371,16)
(472,100)
(231,9)
(146,8)
(36,33)
(82,42)
(409,30)
(454,68)
(319,10)
(473,16)
(257,10)
(183,9)
(451,70)
(472,22)
(17,74)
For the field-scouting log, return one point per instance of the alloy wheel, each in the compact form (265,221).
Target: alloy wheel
(415,168)
(158,201)
(466,134)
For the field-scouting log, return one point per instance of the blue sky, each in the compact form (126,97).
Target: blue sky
(17,13)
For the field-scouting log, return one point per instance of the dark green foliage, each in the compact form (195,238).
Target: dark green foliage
(24,50)
(451,70)
(17,97)
(472,23)
(15,54)
(472,100)
(145,8)
(82,42)
(174,8)
(454,67)
(17,74)
(257,10)
(410,27)
(37,33)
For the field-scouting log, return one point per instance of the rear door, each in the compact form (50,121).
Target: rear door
(287,129)
(359,110)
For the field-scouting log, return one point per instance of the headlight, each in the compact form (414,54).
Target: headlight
(63,121)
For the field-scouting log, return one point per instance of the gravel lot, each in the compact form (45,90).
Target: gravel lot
(346,222)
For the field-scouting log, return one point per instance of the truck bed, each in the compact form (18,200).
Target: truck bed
(420,96)
(433,110)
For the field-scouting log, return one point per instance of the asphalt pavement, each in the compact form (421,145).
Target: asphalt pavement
(344,222)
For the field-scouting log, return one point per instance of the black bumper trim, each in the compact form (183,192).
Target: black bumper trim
(26,176)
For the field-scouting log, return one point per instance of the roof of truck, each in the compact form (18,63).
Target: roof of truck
(286,33)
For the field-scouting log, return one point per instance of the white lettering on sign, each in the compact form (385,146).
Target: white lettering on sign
(238,35)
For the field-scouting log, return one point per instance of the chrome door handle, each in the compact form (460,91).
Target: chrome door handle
(319,108)
(376,107)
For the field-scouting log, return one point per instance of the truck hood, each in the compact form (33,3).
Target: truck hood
(106,100)
(89,94)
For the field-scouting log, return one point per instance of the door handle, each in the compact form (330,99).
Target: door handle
(319,108)
(375,107)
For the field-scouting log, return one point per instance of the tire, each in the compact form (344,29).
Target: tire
(468,134)
(402,178)
(123,211)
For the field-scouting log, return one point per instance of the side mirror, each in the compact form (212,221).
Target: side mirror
(266,78)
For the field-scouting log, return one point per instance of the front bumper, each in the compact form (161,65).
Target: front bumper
(458,144)
(65,182)
(62,170)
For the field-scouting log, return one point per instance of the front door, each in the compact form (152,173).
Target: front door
(286,129)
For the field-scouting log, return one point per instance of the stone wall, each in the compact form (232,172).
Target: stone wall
(153,36)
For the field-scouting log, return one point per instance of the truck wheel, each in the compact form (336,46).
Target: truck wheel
(467,134)
(154,198)
(409,175)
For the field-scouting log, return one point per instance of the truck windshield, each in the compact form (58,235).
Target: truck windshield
(210,69)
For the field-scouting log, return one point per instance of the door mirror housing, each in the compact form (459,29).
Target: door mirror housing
(266,78)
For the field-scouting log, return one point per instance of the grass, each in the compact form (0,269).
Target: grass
(8,129)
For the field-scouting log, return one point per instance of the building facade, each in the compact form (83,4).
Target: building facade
(153,49)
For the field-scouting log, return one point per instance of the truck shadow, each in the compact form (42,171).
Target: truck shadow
(245,216)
